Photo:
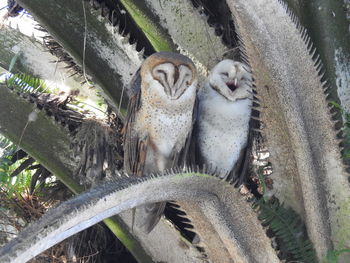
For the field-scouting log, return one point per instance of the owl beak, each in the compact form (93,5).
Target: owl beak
(232,85)
(176,90)
(175,85)
(176,75)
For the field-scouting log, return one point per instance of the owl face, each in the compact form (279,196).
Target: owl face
(174,72)
(231,79)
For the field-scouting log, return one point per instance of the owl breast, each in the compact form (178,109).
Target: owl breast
(167,123)
(222,130)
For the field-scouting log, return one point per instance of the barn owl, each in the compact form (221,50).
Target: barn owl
(224,109)
(159,121)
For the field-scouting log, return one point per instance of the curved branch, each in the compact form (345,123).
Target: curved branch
(156,35)
(36,137)
(50,143)
(190,31)
(33,59)
(231,216)
(329,29)
(108,57)
(308,168)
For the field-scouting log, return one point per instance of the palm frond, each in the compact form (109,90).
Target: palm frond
(286,225)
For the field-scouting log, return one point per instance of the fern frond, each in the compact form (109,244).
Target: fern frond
(286,225)
(6,147)
(346,130)
(26,83)
(14,173)
(333,255)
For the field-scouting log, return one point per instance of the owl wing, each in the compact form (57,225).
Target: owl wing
(135,153)
(178,159)
(135,148)
(187,153)
(240,172)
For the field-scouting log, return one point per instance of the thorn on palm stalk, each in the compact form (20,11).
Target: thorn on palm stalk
(124,25)
(219,17)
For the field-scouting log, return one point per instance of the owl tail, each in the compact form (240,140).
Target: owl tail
(150,215)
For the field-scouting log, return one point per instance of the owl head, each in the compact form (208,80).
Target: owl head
(231,79)
(174,72)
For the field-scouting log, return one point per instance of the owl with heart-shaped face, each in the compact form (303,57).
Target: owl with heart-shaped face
(159,121)
(224,110)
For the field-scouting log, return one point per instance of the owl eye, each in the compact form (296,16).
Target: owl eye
(225,74)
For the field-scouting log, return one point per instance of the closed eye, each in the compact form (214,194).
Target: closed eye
(185,75)
(225,74)
(161,71)
(161,75)
(245,80)
(188,77)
